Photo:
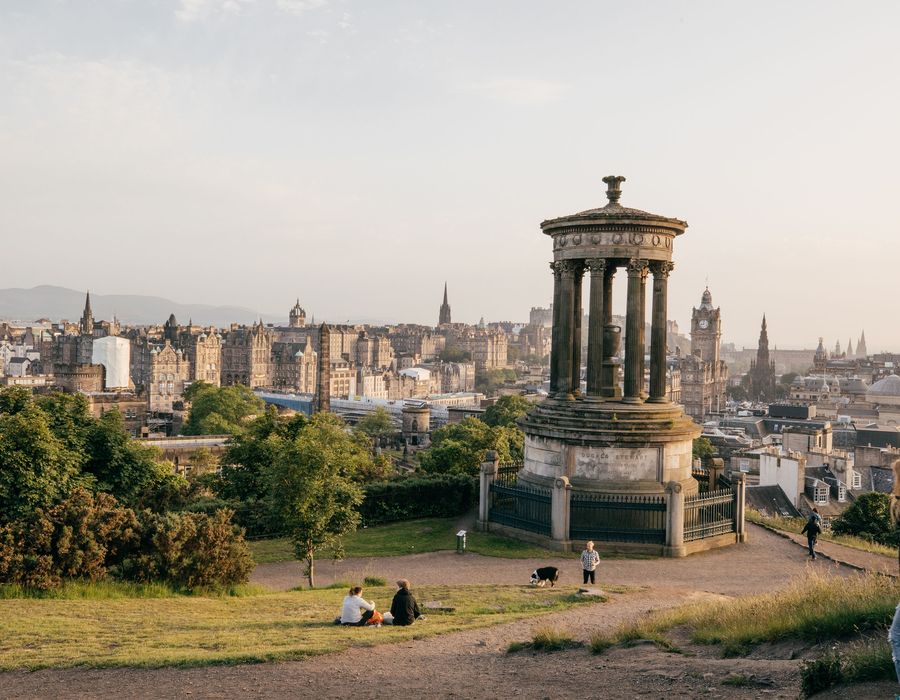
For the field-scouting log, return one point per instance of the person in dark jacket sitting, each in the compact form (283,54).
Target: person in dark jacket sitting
(404,607)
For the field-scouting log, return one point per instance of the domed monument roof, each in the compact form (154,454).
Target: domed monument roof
(885,391)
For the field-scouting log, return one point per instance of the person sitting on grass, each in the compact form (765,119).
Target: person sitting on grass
(356,611)
(404,608)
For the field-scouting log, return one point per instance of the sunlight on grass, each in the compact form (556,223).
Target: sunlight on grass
(411,537)
(178,630)
(813,608)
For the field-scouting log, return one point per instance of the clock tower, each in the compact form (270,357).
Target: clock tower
(706,330)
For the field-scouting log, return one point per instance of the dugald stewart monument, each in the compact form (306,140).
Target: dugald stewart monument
(612,462)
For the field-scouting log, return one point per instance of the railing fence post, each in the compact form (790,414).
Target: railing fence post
(675,520)
(486,478)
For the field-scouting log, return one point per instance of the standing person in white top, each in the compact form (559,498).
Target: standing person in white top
(353,607)
(589,561)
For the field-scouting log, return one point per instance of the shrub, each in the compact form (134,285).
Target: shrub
(868,517)
(81,538)
(191,550)
(431,497)
(374,581)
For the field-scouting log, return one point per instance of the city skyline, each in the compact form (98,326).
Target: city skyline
(242,153)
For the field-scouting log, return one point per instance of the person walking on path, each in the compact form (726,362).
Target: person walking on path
(589,561)
(404,608)
(812,529)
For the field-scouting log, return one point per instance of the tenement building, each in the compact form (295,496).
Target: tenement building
(704,375)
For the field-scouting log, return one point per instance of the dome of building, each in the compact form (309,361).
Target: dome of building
(885,391)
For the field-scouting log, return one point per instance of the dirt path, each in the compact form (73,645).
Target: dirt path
(475,663)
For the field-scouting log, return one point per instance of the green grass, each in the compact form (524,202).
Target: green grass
(869,660)
(795,525)
(546,639)
(813,608)
(113,590)
(175,630)
(410,537)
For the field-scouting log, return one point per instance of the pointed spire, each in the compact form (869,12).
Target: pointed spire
(445,291)
(87,304)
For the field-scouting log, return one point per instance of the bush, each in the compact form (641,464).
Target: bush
(191,550)
(868,517)
(81,538)
(90,537)
(410,499)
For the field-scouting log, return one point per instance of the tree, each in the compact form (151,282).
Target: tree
(37,469)
(788,378)
(121,466)
(507,410)
(312,489)
(459,448)
(453,354)
(377,424)
(489,381)
(736,393)
(703,448)
(868,517)
(220,410)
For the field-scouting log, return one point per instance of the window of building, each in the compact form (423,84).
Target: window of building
(821,495)
(857,480)
(842,493)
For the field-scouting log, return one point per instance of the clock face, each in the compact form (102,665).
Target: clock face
(704,324)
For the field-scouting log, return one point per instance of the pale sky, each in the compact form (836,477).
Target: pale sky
(358,154)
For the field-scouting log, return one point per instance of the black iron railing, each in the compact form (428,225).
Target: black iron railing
(709,514)
(618,518)
(523,507)
(507,474)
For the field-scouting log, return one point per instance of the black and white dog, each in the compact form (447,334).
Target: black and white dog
(546,573)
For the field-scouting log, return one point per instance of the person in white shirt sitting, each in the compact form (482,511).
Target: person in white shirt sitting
(356,611)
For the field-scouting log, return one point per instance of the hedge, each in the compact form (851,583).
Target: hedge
(408,499)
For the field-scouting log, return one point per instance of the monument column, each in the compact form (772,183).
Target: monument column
(576,326)
(566,319)
(634,331)
(596,321)
(661,272)
(555,333)
(610,372)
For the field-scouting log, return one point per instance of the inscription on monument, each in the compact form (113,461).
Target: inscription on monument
(617,463)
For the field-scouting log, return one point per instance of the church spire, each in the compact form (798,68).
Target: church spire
(444,314)
(87,318)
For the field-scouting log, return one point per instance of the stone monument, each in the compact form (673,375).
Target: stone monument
(609,439)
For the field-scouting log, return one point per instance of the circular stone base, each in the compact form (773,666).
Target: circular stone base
(609,447)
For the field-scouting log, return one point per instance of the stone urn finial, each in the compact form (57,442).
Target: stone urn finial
(613,187)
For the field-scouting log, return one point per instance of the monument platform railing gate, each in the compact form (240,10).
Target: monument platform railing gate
(519,506)
(709,514)
(617,518)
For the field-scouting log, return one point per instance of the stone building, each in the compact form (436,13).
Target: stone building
(294,367)
(247,356)
(373,352)
(417,341)
(169,371)
(704,375)
(488,348)
(762,370)
(297,316)
(204,352)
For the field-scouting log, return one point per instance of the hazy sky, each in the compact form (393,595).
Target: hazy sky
(357,154)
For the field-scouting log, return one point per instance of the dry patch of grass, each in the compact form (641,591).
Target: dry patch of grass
(172,630)
(813,608)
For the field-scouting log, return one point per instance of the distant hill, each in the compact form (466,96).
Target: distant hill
(56,303)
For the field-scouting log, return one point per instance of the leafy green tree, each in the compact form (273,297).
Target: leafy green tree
(507,410)
(220,410)
(313,491)
(377,424)
(452,354)
(489,381)
(122,466)
(869,517)
(736,393)
(459,448)
(703,448)
(37,469)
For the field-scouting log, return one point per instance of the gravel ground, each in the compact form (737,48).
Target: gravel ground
(475,664)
